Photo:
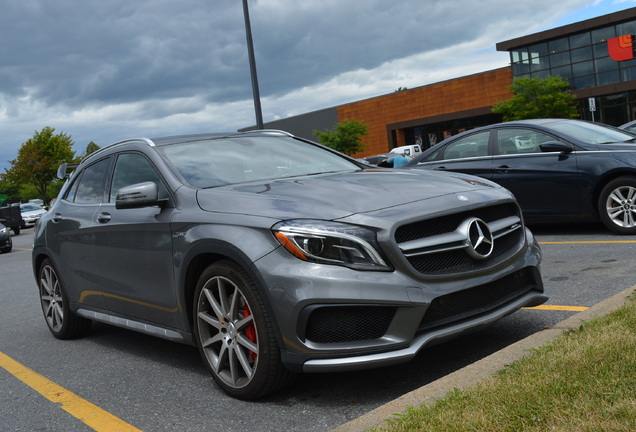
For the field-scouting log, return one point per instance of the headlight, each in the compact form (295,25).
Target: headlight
(4,230)
(331,243)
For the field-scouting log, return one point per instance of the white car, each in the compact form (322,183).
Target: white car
(31,214)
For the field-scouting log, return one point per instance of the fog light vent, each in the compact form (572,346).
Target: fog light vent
(333,324)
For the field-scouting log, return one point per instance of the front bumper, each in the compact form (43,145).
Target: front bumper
(343,364)
(384,318)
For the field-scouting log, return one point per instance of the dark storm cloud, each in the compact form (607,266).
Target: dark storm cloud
(82,51)
(106,70)
(77,52)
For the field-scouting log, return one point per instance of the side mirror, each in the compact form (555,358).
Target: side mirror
(62,170)
(138,195)
(556,146)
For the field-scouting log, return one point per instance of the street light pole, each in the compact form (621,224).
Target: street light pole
(250,51)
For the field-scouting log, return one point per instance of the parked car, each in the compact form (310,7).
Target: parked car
(6,243)
(11,218)
(407,150)
(31,214)
(300,260)
(376,159)
(559,170)
(629,126)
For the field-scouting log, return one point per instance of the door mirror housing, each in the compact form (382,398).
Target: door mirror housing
(138,195)
(556,146)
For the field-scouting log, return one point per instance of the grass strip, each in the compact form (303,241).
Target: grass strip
(583,381)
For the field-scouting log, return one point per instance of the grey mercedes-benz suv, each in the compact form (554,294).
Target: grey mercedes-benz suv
(275,255)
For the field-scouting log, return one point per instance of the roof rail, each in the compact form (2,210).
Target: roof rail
(270,131)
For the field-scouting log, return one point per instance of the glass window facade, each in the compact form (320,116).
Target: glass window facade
(583,59)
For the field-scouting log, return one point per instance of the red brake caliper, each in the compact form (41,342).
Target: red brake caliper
(250,331)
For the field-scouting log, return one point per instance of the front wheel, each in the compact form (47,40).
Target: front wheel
(62,323)
(617,205)
(235,335)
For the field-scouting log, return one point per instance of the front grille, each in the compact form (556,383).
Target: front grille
(481,299)
(334,324)
(437,245)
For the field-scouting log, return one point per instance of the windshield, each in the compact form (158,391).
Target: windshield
(29,207)
(592,133)
(231,160)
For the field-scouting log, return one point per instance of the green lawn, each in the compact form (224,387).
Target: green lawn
(583,381)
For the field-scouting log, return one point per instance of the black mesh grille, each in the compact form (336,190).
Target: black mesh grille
(348,323)
(477,300)
(458,260)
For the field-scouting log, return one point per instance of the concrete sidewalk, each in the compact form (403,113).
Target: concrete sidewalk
(481,369)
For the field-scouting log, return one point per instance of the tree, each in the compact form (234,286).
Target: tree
(38,160)
(538,98)
(346,137)
(91,147)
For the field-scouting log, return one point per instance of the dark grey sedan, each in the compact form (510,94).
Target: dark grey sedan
(559,170)
(300,260)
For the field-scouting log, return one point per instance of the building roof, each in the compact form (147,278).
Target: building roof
(581,26)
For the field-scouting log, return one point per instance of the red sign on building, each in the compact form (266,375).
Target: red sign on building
(621,48)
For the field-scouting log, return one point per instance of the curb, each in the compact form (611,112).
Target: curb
(475,372)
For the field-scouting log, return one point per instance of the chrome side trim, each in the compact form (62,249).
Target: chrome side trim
(130,324)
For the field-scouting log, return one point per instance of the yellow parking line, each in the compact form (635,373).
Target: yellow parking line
(559,308)
(92,415)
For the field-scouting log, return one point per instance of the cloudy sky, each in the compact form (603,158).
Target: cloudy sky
(108,70)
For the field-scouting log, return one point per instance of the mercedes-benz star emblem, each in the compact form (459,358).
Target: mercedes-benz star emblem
(479,238)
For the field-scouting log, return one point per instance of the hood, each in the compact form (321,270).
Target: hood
(334,196)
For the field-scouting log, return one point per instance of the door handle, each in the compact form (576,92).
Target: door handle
(503,168)
(103,218)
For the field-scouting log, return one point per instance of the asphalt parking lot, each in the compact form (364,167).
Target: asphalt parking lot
(119,380)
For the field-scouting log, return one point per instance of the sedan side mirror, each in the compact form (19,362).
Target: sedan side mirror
(138,195)
(556,146)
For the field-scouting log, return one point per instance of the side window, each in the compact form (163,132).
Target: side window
(519,140)
(132,168)
(470,146)
(89,186)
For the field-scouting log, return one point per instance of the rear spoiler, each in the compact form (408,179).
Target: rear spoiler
(62,171)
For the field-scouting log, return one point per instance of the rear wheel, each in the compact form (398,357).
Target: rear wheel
(617,205)
(62,323)
(235,335)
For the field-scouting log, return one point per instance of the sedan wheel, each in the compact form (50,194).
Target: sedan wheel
(62,323)
(235,335)
(617,205)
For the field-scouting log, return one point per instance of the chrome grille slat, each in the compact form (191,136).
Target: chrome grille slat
(456,239)
(439,246)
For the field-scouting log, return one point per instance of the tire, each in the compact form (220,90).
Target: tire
(235,335)
(16,230)
(7,249)
(617,205)
(62,323)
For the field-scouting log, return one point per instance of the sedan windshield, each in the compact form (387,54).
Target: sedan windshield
(29,207)
(591,133)
(239,159)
